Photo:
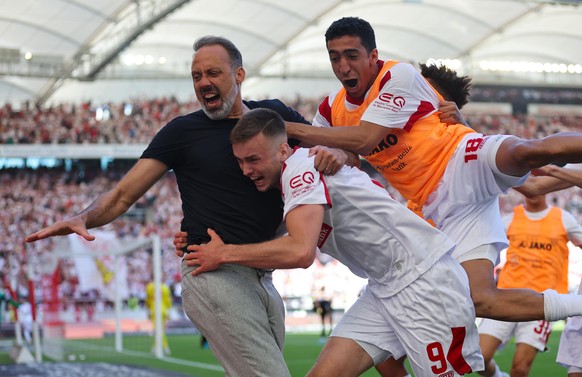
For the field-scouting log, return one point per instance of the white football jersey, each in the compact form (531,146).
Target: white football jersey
(375,236)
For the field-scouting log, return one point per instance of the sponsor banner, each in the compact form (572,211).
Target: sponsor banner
(554,109)
(487,108)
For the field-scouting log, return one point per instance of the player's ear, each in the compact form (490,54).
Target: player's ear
(284,149)
(373,56)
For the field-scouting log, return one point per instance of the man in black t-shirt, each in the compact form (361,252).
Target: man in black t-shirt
(237,308)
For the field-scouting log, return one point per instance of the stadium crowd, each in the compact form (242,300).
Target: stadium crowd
(138,121)
(24,191)
(129,122)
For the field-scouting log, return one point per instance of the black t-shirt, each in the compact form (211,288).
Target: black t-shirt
(214,192)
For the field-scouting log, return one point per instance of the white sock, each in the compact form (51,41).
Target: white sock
(560,306)
(497,372)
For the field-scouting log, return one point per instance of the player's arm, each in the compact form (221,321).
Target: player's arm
(536,186)
(548,179)
(329,160)
(338,157)
(353,159)
(110,205)
(573,228)
(294,250)
(360,140)
(572,176)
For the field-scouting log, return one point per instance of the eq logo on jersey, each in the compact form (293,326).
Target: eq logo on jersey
(302,183)
(301,180)
(397,101)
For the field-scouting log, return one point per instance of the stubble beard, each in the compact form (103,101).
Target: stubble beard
(226,107)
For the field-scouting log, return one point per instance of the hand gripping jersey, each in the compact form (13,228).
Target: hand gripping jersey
(375,236)
(414,155)
(537,257)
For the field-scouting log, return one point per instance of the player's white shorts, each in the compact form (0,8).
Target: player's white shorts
(465,204)
(432,321)
(533,333)
(570,349)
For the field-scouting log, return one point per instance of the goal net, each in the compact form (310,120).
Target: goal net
(93,296)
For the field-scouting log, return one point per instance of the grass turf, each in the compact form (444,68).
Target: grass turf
(301,350)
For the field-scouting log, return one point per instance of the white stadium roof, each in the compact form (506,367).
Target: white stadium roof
(74,50)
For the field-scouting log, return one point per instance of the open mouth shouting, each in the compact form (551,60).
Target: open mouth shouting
(352,87)
(259,181)
(212,98)
(351,83)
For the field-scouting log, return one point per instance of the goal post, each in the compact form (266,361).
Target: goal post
(102,266)
(158,328)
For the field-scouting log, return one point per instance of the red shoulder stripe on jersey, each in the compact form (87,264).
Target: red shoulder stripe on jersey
(281,179)
(423,109)
(325,110)
(385,79)
(327,196)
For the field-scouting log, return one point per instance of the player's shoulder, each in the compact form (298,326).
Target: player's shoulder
(299,163)
(404,68)
(298,158)
(403,75)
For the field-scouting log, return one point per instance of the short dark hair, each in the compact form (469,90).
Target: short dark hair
(231,49)
(265,121)
(448,83)
(355,27)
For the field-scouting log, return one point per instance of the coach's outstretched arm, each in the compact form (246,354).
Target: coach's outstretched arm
(110,205)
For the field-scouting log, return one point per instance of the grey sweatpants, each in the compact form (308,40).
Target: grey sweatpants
(242,315)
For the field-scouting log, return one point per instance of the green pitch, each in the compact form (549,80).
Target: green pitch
(301,350)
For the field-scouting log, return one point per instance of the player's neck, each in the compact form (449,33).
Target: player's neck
(536,207)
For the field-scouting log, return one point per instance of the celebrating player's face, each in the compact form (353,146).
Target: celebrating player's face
(352,64)
(215,82)
(260,159)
